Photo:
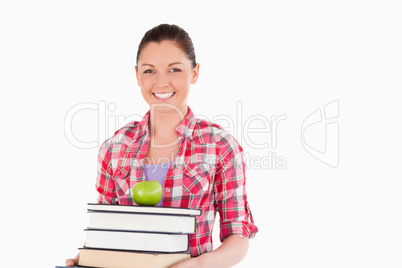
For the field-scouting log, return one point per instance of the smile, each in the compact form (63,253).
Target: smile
(163,96)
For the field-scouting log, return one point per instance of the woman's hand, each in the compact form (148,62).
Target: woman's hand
(73,262)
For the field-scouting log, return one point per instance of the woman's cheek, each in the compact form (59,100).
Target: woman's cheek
(146,84)
(182,83)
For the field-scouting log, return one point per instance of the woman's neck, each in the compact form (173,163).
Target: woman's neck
(163,123)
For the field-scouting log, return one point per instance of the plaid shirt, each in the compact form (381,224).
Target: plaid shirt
(208,173)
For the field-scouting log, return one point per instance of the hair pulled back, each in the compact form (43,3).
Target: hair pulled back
(169,32)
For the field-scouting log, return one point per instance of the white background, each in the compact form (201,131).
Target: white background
(276,58)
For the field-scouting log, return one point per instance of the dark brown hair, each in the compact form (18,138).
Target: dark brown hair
(169,32)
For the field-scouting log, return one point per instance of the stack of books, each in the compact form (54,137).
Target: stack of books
(137,236)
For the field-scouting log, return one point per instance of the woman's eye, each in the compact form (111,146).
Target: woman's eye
(148,71)
(174,70)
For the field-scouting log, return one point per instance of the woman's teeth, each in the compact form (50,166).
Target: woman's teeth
(164,95)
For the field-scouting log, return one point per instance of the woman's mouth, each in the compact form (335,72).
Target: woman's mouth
(164,96)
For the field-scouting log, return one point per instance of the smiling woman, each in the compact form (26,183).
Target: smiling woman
(164,74)
(202,164)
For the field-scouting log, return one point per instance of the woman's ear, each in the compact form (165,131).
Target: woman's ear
(136,74)
(196,72)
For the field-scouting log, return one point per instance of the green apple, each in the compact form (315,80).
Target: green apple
(147,193)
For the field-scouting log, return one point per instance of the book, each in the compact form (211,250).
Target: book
(126,259)
(136,241)
(74,267)
(144,209)
(133,221)
(120,236)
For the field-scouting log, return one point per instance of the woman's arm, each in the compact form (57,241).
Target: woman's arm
(229,253)
(236,223)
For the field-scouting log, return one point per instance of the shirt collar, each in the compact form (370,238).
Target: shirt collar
(184,129)
(186,126)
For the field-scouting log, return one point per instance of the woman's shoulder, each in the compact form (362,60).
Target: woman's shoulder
(212,131)
(205,125)
(129,129)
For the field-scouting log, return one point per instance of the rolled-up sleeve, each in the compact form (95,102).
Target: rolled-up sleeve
(104,183)
(230,192)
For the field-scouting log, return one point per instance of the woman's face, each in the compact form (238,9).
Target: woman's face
(164,74)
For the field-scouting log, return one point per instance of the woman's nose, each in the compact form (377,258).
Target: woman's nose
(162,81)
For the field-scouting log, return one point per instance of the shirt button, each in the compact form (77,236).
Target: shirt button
(168,190)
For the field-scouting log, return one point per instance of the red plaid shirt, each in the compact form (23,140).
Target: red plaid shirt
(208,173)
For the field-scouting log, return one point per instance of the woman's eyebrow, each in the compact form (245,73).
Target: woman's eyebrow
(147,64)
(173,63)
(170,64)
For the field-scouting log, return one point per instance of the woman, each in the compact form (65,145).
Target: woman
(197,162)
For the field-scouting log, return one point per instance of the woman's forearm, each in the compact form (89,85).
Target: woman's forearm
(228,254)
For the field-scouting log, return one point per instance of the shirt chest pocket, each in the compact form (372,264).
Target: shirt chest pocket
(196,178)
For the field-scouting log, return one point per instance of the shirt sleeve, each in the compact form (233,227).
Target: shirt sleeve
(104,183)
(230,192)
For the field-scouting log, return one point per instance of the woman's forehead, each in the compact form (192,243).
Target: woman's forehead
(165,51)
